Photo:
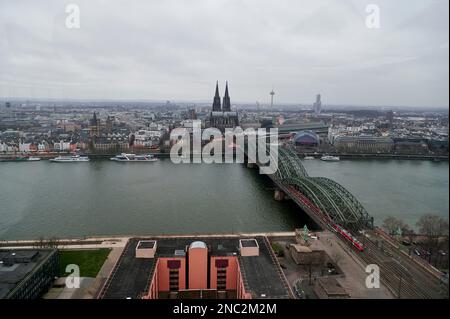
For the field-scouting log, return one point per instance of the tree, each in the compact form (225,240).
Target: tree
(43,243)
(433,226)
(278,249)
(408,233)
(392,225)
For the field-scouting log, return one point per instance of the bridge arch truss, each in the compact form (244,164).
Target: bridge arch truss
(333,199)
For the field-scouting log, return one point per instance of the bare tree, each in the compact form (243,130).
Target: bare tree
(53,242)
(43,243)
(433,226)
(392,225)
(40,243)
(408,233)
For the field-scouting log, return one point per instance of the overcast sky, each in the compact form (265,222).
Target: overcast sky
(177,49)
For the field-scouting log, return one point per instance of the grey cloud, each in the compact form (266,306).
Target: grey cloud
(174,49)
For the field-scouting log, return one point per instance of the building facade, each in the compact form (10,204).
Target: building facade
(364,145)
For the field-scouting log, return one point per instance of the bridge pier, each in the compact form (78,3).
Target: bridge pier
(279,195)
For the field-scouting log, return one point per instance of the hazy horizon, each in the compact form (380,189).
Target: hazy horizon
(177,50)
(203,103)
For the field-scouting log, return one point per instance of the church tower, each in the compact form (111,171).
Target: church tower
(216,104)
(226,105)
(94,124)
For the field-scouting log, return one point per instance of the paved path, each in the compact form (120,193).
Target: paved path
(355,275)
(121,241)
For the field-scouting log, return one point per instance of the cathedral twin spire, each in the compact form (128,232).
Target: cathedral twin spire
(226,105)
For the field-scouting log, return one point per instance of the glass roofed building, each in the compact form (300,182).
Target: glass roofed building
(306,139)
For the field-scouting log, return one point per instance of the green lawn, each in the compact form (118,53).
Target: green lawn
(89,261)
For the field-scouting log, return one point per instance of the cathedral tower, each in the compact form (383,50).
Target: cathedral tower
(226,105)
(216,104)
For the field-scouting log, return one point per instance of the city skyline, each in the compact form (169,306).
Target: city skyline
(298,48)
(218,157)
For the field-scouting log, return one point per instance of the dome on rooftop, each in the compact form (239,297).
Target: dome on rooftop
(306,138)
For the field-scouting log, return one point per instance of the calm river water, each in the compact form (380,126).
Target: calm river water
(107,198)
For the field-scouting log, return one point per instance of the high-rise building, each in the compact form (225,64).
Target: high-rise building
(390,118)
(317,107)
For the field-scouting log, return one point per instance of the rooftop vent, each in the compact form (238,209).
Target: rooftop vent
(146,249)
(180,253)
(248,247)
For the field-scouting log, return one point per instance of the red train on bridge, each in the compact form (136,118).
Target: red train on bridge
(349,237)
(337,228)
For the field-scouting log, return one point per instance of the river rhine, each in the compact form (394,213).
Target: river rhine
(43,199)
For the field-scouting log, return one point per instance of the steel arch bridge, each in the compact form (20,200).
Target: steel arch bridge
(332,199)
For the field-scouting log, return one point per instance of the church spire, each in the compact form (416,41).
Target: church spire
(216,104)
(217,89)
(226,100)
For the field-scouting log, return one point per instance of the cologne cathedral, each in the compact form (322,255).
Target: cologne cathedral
(221,115)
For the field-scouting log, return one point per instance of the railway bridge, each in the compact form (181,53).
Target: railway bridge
(329,204)
(324,200)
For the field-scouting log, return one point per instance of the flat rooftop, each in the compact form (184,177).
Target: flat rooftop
(301,126)
(249,243)
(15,265)
(332,287)
(263,276)
(131,276)
(146,244)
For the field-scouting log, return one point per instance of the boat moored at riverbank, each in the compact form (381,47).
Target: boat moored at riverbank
(327,158)
(70,159)
(21,159)
(134,158)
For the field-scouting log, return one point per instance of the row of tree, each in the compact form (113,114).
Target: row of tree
(429,226)
(431,236)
